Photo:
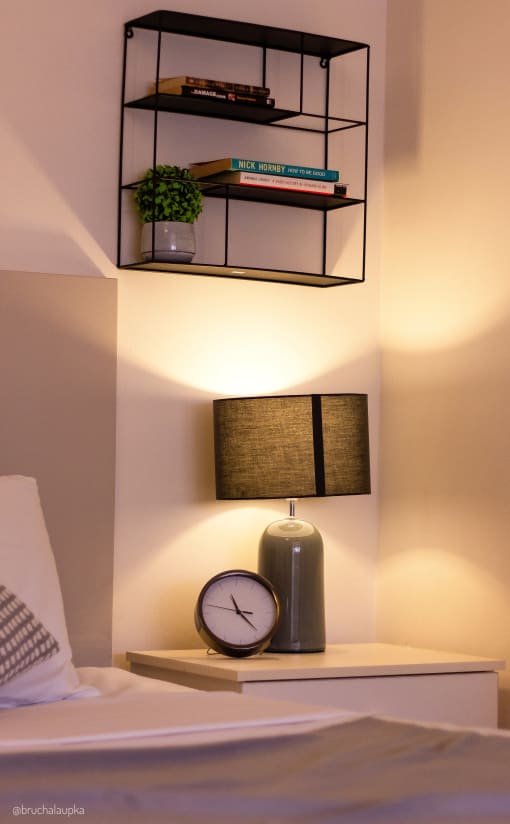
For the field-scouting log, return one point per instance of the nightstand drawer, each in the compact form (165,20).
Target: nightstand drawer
(464,698)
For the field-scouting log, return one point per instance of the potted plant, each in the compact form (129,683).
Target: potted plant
(168,201)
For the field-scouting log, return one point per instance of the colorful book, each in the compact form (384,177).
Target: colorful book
(167,85)
(301,184)
(224,95)
(340,189)
(228,164)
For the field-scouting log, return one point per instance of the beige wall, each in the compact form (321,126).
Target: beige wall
(58,409)
(183,341)
(444,578)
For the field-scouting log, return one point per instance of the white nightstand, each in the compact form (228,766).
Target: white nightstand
(404,682)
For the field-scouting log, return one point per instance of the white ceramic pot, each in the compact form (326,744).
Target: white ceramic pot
(174,242)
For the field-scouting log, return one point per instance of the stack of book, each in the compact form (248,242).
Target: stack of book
(222,90)
(272,175)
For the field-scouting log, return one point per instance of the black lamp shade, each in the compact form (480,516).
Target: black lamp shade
(292,446)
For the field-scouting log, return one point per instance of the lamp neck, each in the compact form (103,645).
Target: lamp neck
(292,507)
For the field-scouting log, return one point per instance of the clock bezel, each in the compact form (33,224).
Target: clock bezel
(220,644)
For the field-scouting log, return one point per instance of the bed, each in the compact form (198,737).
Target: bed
(79,738)
(142,751)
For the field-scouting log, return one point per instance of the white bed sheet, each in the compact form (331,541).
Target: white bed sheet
(191,756)
(131,710)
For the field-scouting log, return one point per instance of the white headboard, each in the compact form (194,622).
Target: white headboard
(57,424)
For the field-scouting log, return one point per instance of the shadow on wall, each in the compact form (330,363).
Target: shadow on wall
(404,78)
(58,367)
(444,576)
(40,219)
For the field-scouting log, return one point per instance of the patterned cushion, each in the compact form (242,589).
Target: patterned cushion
(24,641)
(27,568)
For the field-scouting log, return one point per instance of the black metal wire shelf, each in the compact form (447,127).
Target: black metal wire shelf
(264,194)
(248,34)
(283,197)
(247,112)
(263,38)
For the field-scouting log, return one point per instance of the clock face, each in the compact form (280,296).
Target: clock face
(237,613)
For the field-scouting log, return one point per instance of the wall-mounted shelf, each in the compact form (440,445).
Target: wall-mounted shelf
(246,273)
(321,126)
(210,108)
(285,197)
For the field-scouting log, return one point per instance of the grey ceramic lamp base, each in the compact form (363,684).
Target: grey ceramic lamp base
(291,557)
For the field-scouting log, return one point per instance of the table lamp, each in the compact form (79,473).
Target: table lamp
(292,446)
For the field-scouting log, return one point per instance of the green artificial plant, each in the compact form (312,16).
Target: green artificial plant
(168,193)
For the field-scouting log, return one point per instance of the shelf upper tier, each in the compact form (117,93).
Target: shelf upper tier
(245,112)
(204,107)
(249,34)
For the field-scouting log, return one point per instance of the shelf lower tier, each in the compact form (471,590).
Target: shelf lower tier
(244,273)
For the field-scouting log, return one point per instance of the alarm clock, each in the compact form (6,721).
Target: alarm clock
(237,613)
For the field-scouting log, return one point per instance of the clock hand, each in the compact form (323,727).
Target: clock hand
(235,604)
(241,613)
(243,616)
(231,609)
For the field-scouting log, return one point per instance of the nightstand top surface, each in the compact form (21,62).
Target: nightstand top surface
(338,661)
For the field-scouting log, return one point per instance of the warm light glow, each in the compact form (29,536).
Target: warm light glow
(227,538)
(237,337)
(449,583)
(441,315)
(203,547)
(172,570)
(446,273)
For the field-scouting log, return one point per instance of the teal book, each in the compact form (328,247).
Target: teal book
(236,164)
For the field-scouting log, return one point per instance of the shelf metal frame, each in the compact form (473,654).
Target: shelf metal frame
(266,38)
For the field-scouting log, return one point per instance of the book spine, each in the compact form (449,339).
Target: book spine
(340,189)
(202,82)
(322,187)
(226,96)
(265,167)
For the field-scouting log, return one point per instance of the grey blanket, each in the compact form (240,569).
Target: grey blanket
(363,772)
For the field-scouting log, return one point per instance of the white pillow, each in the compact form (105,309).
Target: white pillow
(28,572)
